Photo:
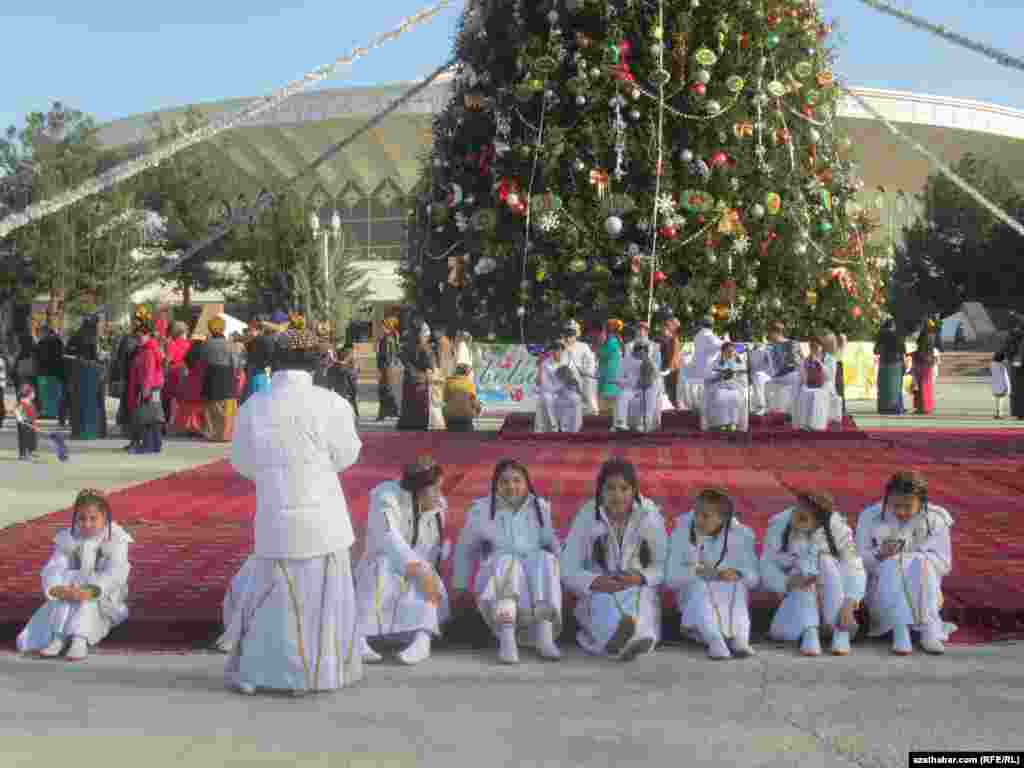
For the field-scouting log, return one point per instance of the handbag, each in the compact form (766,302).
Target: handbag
(149,413)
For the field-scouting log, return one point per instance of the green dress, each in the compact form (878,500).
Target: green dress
(609,364)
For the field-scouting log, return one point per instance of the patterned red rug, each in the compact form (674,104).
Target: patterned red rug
(675,425)
(193,529)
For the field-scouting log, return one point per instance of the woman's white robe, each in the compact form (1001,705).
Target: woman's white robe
(559,407)
(725,400)
(708,607)
(290,613)
(584,363)
(690,388)
(906,588)
(389,603)
(637,408)
(599,614)
(838,579)
(816,408)
(79,562)
(518,562)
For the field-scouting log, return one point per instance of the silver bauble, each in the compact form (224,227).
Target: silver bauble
(613,226)
(581,100)
(686,156)
(713,107)
(703,76)
(552,17)
(635,114)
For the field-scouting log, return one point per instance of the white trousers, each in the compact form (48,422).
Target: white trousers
(291,624)
(724,406)
(390,604)
(803,609)
(638,409)
(599,615)
(907,590)
(781,392)
(533,583)
(562,412)
(65,618)
(758,399)
(711,607)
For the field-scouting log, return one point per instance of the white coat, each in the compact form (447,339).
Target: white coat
(581,358)
(599,614)
(101,562)
(292,442)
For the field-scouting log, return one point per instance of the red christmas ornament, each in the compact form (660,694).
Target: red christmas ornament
(773,21)
(744,41)
(855,312)
(625,48)
(719,159)
(783,136)
(699,89)
(773,235)
(668,232)
(700,218)
(809,111)
(660,277)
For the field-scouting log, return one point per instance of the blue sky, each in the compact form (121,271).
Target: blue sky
(114,58)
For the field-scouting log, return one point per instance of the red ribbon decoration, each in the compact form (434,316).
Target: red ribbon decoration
(487,154)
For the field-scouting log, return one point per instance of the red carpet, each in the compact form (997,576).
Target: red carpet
(193,529)
(675,425)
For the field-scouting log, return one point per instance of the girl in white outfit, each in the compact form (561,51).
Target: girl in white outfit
(811,559)
(712,567)
(512,535)
(85,583)
(904,541)
(400,595)
(614,562)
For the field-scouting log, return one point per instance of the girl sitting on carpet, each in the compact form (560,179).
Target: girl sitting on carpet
(712,566)
(904,541)
(614,562)
(85,583)
(400,595)
(511,534)
(810,557)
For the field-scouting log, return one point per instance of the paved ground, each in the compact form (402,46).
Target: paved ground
(671,708)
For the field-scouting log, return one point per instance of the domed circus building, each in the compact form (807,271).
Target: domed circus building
(369,184)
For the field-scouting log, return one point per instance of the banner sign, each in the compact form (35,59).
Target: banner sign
(506,374)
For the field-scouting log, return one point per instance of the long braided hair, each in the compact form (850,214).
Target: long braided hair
(721,497)
(88,498)
(414,482)
(499,470)
(908,483)
(823,506)
(624,469)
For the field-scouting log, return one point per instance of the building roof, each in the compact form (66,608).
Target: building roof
(279,144)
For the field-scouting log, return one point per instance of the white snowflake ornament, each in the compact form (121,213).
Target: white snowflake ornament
(549,222)
(741,245)
(666,205)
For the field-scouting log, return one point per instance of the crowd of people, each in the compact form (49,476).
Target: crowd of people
(298,618)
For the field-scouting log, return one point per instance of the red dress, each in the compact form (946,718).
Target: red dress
(923,372)
(146,373)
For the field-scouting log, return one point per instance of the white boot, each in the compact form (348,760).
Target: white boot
(79,648)
(741,646)
(901,644)
(246,689)
(931,640)
(418,650)
(369,655)
(508,649)
(717,649)
(55,648)
(810,642)
(840,643)
(546,645)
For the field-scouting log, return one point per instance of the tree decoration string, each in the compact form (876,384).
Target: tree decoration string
(662,80)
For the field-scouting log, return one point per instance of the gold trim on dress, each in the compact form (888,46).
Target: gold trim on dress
(298,619)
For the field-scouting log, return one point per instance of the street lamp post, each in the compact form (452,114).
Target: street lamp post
(325,246)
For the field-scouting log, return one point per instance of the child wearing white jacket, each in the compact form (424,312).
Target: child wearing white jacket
(518,587)
(810,557)
(712,566)
(1000,382)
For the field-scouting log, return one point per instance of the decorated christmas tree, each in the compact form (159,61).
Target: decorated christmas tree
(634,158)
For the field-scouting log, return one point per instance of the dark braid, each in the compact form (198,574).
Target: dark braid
(624,469)
(719,496)
(416,516)
(908,484)
(823,507)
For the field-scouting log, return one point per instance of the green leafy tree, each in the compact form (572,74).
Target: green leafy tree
(281,264)
(959,251)
(190,192)
(547,181)
(77,255)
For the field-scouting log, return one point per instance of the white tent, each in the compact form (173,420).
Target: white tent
(949,326)
(232,325)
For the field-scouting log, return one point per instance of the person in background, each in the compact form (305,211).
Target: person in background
(464,349)
(1013,357)
(219,383)
(923,371)
(671,358)
(416,401)
(259,357)
(609,359)
(3,385)
(25,416)
(25,362)
(177,371)
(86,379)
(145,382)
(120,368)
(460,403)
(891,352)
(50,376)
(389,366)
(1000,381)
